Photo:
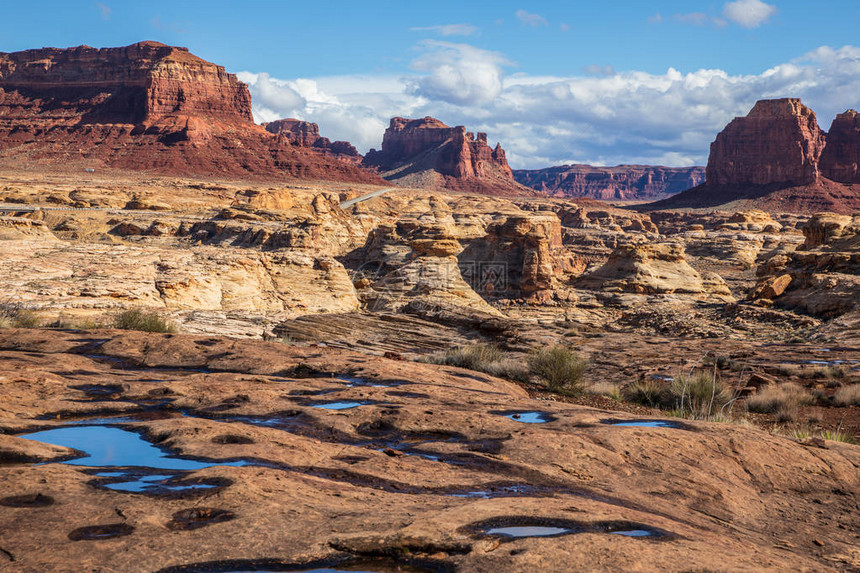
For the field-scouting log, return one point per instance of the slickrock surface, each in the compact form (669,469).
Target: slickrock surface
(418,473)
(427,153)
(147,106)
(622,182)
(776,158)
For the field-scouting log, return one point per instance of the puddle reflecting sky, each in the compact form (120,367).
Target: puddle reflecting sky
(110,447)
(528,531)
(529,417)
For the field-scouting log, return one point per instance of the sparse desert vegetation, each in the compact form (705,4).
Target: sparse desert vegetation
(560,367)
(145,321)
(18,315)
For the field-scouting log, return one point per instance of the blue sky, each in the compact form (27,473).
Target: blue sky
(564,81)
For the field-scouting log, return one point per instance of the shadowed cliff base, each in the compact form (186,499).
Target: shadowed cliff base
(821,195)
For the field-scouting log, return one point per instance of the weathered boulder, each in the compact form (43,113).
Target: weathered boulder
(824,272)
(824,228)
(653,268)
(519,257)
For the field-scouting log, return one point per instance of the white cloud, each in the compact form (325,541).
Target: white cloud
(529,19)
(449,29)
(668,118)
(748,13)
(458,73)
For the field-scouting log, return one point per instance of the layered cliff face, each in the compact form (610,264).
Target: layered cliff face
(779,141)
(841,158)
(140,83)
(144,106)
(623,182)
(778,159)
(427,153)
(307,134)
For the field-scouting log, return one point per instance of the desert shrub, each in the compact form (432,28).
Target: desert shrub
(834,372)
(560,367)
(136,319)
(472,357)
(701,394)
(485,358)
(781,399)
(17,315)
(650,392)
(847,396)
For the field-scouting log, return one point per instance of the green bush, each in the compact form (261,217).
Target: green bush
(137,319)
(560,367)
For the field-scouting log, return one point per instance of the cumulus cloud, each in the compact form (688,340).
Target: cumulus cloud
(748,13)
(667,118)
(458,73)
(529,19)
(449,29)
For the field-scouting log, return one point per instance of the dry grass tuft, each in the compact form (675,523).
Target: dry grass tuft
(781,399)
(847,396)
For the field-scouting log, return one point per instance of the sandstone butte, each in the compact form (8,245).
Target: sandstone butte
(619,183)
(779,159)
(147,106)
(307,134)
(427,153)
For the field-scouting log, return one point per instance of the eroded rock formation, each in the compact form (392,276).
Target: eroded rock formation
(145,106)
(307,134)
(778,159)
(623,182)
(654,269)
(822,276)
(841,156)
(427,153)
